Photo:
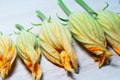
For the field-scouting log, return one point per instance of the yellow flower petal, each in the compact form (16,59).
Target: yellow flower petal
(56,43)
(7,55)
(111,25)
(28,50)
(90,34)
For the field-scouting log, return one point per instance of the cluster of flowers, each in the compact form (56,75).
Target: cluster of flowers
(56,41)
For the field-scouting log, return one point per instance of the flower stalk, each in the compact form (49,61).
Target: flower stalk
(86,7)
(62,5)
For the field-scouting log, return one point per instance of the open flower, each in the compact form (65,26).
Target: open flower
(7,54)
(56,44)
(111,25)
(28,50)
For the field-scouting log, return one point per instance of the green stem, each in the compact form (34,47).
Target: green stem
(86,7)
(41,15)
(0,33)
(19,27)
(65,9)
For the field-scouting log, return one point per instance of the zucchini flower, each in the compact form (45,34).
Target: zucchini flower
(89,33)
(7,54)
(29,52)
(111,25)
(56,44)
(110,22)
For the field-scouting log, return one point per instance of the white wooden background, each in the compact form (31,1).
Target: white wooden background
(23,12)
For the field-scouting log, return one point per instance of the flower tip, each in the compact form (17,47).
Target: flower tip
(76,71)
(37,73)
(70,70)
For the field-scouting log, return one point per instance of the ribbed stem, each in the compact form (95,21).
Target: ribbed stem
(41,15)
(64,8)
(19,27)
(86,7)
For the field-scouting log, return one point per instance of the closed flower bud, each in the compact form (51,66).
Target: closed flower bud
(90,34)
(56,43)
(7,54)
(111,25)
(29,52)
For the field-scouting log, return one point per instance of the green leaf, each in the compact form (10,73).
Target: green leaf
(29,29)
(36,24)
(107,5)
(64,20)
(41,15)
(19,27)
